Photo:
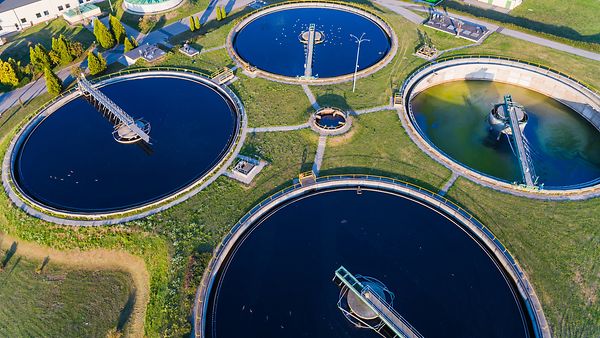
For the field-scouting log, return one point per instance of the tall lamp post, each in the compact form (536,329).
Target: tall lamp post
(358,41)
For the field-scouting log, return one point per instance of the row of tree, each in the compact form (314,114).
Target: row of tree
(221,13)
(63,52)
(194,23)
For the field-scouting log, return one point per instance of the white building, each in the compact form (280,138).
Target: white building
(506,4)
(16,15)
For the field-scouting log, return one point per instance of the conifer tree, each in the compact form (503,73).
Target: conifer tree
(196,23)
(128,45)
(39,58)
(117,28)
(60,46)
(192,24)
(96,63)
(223,13)
(219,17)
(9,73)
(134,42)
(103,35)
(53,83)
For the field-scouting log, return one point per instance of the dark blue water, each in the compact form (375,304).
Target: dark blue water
(271,43)
(71,161)
(279,281)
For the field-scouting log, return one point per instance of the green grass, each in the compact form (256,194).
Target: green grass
(556,243)
(270,103)
(378,145)
(60,302)
(572,22)
(18,47)
(582,69)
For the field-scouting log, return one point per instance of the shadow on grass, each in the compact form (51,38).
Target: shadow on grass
(9,254)
(126,312)
(333,100)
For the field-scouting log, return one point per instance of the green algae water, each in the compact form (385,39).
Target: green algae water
(565,147)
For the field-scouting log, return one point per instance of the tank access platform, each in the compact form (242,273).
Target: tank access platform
(366,303)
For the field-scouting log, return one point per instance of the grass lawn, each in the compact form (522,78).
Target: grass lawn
(582,69)
(60,302)
(18,47)
(557,244)
(573,22)
(377,144)
(270,103)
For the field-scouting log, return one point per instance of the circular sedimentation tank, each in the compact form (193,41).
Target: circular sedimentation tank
(145,7)
(73,161)
(274,272)
(274,42)
(453,107)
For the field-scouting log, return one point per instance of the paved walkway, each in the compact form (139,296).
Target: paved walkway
(278,128)
(319,155)
(372,110)
(449,183)
(311,97)
(402,7)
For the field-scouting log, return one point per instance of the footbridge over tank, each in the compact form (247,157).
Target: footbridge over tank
(393,324)
(310,47)
(109,107)
(518,140)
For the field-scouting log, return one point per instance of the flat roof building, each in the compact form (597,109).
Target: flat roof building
(16,15)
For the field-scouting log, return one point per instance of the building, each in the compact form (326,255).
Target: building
(16,15)
(147,52)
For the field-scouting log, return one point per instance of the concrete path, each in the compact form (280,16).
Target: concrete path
(213,49)
(372,110)
(319,155)
(311,97)
(278,128)
(449,183)
(401,8)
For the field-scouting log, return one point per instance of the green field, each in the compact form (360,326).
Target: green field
(555,242)
(18,47)
(61,302)
(573,22)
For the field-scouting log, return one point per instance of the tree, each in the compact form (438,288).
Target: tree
(96,63)
(219,14)
(53,83)
(60,46)
(192,24)
(128,45)
(39,58)
(117,28)
(196,23)
(10,73)
(103,35)
(134,42)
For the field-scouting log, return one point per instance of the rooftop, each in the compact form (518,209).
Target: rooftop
(7,5)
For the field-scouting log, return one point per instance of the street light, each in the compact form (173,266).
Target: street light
(358,41)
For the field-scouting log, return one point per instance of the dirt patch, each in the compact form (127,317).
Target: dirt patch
(97,259)
(589,292)
(343,139)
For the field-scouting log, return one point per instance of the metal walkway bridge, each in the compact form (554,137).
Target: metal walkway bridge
(109,107)
(394,325)
(310,47)
(520,143)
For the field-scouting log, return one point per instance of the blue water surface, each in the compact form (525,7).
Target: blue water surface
(278,282)
(271,42)
(71,161)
